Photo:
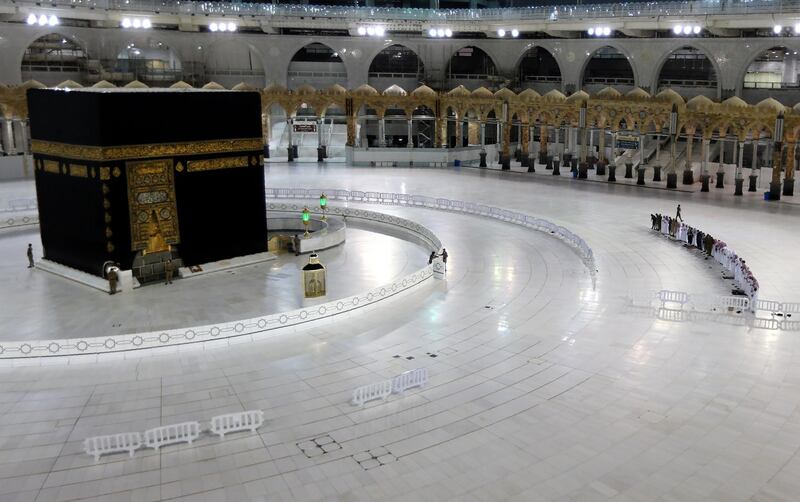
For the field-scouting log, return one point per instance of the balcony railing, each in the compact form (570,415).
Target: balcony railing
(544,13)
(671,82)
(772,85)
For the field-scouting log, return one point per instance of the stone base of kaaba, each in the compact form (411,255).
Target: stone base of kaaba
(150,267)
(219,266)
(126,280)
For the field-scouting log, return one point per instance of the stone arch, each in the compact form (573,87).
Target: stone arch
(397,46)
(664,61)
(783,86)
(233,60)
(46,61)
(486,66)
(546,58)
(150,61)
(757,50)
(588,66)
(320,66)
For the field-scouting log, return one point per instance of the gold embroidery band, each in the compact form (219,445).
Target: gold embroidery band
(78,170)
(129,152)
(51,166)
(221,163)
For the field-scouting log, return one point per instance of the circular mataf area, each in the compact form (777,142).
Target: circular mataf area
(541,386)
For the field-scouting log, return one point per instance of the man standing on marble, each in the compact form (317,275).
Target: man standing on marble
(431,257)
(444,258)
(168,272)
(112,280)
(678,215)
(30,255)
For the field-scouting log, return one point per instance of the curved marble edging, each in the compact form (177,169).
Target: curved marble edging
(387,198)
(18,220)
(235,331)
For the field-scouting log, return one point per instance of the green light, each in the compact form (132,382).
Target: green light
(323,201)
(306,216)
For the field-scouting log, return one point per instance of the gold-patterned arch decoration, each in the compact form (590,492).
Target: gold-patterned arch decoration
(608,109)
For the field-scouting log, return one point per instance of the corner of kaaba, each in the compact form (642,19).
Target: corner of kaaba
(139,177)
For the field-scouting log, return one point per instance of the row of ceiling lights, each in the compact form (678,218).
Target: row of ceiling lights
(440,32)
(502,33)
(223,27)
(379,31)
(687,29)
(42,20)
(372,31)
(599,31)
(778,29)
(136,23)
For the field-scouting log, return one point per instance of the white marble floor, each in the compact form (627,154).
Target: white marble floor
(541,389)
(39,305)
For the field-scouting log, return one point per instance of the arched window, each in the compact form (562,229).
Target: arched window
(53,58)
(318,66)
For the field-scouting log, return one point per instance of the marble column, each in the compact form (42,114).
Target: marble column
(704,153)
(788,181)
(289,127)
(410,134)
(381,132)
(688,174)
(8,137)
(543,144)
(320,123)
(523,139)
(738,176)
(483,134)
(601,154)
(23,136)
(775,184)
(721,165)
(459,132)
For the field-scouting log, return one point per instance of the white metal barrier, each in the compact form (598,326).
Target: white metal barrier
(667,296)
(733,302)
(114,443)
(22,204)
(185,432)
(768,305)
(236,422)
(377,390)
(409,380)
(790,308)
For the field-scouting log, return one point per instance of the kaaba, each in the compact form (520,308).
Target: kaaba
(123,173)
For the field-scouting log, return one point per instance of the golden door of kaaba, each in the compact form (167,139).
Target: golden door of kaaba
(151,195)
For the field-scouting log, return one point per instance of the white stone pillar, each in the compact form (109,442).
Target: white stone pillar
(483,134)
(23,136)
(591,142)
(320,123)
(754,160)
(705,154)
(499,139)
(641,149)
(558,140)
(289,126)
(8,137)
(382,132)
(740,163)
(721,167)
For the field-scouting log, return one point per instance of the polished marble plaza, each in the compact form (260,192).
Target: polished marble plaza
(542,388)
